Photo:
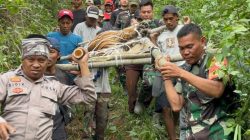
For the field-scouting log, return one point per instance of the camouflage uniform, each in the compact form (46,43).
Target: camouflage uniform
(201,117)
(147,72)
(148,75)
(123,19)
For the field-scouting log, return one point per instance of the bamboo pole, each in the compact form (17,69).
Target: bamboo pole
(129,58)
(111,63)
(158,29)
(119,56)
(67,67)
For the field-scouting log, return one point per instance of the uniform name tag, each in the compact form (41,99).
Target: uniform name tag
(17,90)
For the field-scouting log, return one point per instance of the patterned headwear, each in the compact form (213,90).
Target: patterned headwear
(35,46)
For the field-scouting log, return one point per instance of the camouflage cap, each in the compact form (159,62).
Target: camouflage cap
(35,46)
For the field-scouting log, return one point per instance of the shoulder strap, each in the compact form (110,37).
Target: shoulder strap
(205,65)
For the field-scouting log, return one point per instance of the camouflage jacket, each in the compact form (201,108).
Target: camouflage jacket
(123,20)
(202,117)
(149,72)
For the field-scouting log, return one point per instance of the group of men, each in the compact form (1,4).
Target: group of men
(36,95)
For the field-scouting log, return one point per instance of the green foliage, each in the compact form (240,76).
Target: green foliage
(19,18)
(226,25)
(123,125)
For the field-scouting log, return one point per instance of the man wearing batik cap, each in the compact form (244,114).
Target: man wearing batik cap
(63,115)
(29,99)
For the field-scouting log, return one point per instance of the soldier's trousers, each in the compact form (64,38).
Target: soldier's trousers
(133,74)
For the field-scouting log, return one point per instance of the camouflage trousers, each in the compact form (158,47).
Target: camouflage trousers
(147,75)
(95,119)
(121,76)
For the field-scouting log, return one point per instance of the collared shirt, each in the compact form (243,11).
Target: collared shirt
(30,106)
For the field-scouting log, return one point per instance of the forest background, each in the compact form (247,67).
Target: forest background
(225,23)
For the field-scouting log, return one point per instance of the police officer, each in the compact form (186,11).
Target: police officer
(29,99)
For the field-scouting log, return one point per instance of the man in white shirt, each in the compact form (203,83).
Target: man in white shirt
(88,29)
(168,44)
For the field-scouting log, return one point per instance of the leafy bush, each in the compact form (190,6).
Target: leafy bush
(19,18)
(226,25)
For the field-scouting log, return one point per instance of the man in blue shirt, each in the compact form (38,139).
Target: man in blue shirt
(67,40)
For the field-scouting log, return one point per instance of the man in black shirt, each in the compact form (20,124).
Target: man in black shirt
(78,13)
(123,7)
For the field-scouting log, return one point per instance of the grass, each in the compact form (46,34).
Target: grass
(121,124)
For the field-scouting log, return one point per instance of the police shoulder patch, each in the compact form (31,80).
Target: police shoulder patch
(15,79)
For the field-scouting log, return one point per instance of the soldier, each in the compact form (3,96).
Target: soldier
(123,7)
(146,72)
(198,91)
(29,99)
(123,18)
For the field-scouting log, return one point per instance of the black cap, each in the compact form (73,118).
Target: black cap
(97,2)
(146,2)
(170,9)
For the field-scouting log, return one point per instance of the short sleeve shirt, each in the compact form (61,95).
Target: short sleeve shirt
(202,116)
(168,43)
(68,43)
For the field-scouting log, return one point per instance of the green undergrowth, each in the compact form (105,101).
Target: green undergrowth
(122,125)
